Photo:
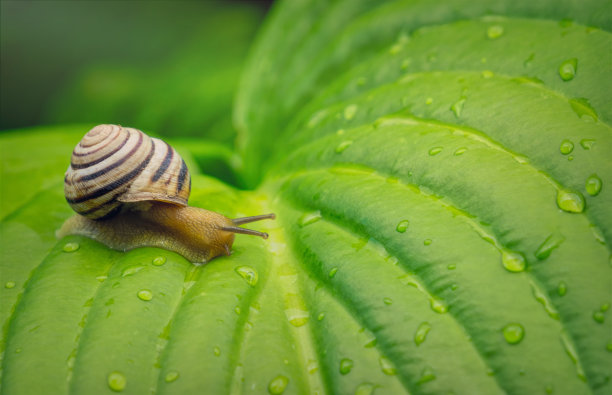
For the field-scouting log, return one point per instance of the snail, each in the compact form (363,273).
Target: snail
(130,190)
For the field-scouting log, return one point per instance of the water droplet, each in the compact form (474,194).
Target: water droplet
(350,111)
(599,317)
(388,301)
(128,271)
(457,107)
(567,69)
(562,288)
(402,226)
(495,31)
(386,366)
(217,351)
(583,109)
(421,333)
(605,307)
(71,247)
(487,74)
(116,381)
(343,145)
(587,144)
(237,310)
(549,389)
(429,100)
(427,242)
(460,151)
(570,201)
(370,340)
(438,306)
(540,296)
(345,366)
(513,261)
(609,346)
(566,147)
(365,389)
(406,63)
(171,376)
(427,374)
(160,260)
(571,352)
(309,218)
(593,185)
(277,385)
(546,248)
(513,333)
(9,284)
(333,272)
(451,266)
(320,316)
(570,158)
(297,315)
(145,294)
(247,273)
(435,151)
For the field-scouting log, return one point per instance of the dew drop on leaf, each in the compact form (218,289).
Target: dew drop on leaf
(570,201)
(248,274)
(513,261)
(427,242)
(429,100)
(370,340)
(587,144)
(365,389)
(171,376)
(116,381)
(343,145)
(583,109)
(386,366)
(309,218)
(70,247)
(346,365)
(435,151)
(320,316)
(549,389)
(9,284)
(546,248)
(388,301)
(593,185)
(427,374)
(128,271)
(567,69)
(457,107)
(421,333)
(566,147)
(158,261)
(451,266)
(460,151)
(217,351)
(402,226)
(438,306)
(495,31)
(562,288)
(278,384)
(350,111)
(599,317)
(513,333)
(145,294)
(609,346)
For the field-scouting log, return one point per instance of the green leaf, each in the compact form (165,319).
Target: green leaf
(440,173)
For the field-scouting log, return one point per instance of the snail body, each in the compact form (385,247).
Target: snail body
(130,190)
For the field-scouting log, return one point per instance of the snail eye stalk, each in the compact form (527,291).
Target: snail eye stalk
(247,220)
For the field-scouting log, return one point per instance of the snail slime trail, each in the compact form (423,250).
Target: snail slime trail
(130,190)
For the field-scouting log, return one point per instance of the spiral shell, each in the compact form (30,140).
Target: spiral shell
(113,165)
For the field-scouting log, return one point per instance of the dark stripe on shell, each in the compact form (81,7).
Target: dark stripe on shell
(115,184)
(182,175)
(107,138)
(164,166)
(95,162)
(115,164)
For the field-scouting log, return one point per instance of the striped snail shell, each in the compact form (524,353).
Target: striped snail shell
(130,190)
(112,165)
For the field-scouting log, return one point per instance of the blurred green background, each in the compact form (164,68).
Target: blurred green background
(166,67)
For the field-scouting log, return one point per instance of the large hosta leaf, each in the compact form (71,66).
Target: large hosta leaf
(440,172)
